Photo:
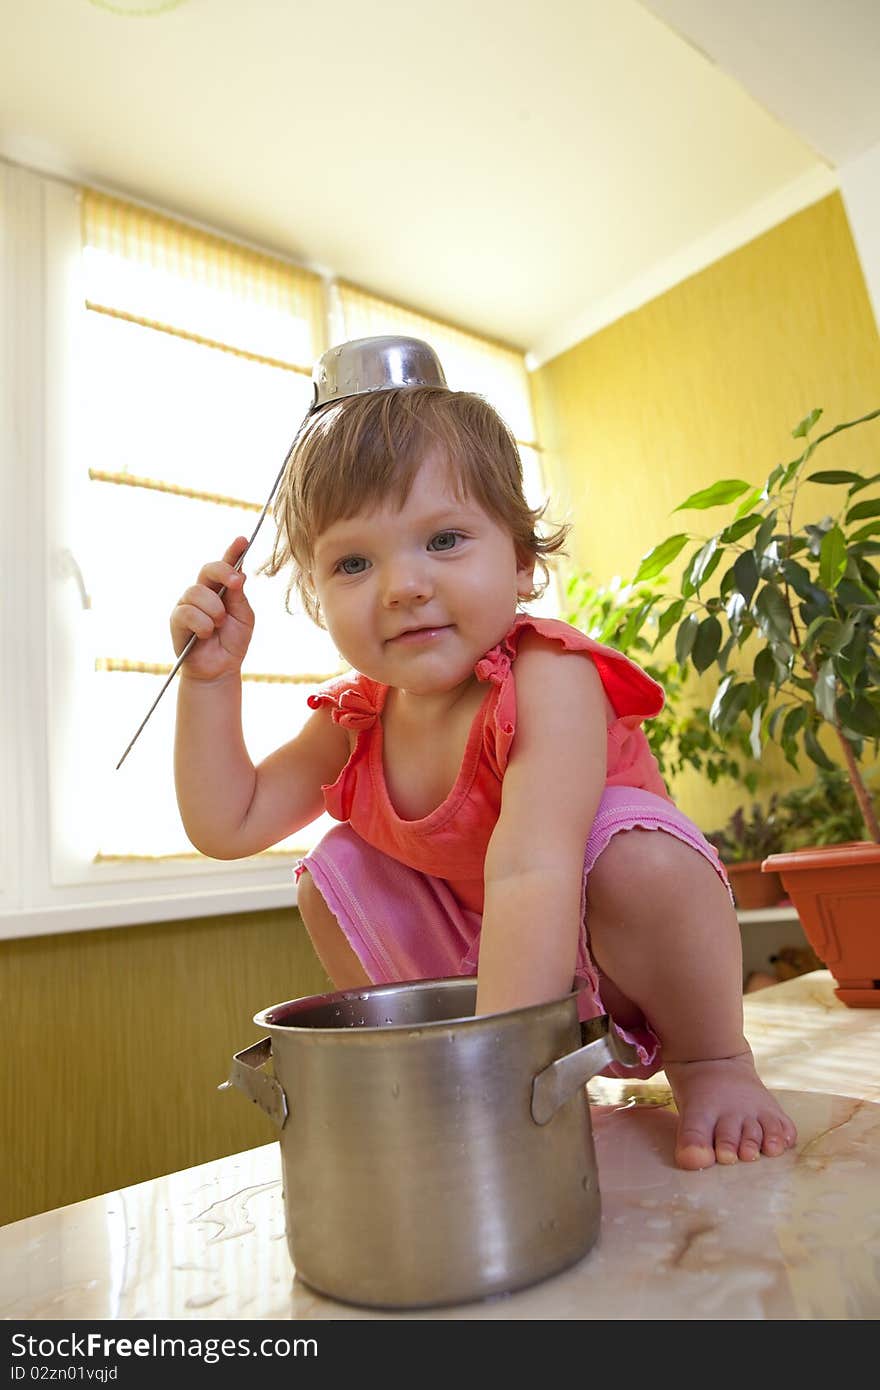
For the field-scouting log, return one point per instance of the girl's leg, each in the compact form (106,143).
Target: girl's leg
(665,938)
(375,920)
(328,938)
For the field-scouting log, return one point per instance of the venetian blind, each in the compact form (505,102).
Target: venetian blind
(196,362)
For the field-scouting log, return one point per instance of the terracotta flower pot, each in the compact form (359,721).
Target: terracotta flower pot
(836,891)
(751,887)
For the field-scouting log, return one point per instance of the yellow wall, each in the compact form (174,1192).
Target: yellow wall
(706,382)
(115,1043)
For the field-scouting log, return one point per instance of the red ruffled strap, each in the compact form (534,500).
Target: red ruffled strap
(495,665)
(352,702)
(500,722)
(633,694)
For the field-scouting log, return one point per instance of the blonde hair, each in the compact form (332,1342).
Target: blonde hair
(364,449)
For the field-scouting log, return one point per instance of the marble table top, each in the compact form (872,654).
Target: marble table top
(796,1237)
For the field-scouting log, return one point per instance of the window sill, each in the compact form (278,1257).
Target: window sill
(768,914)
(132,903)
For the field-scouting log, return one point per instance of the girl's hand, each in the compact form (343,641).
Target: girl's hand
(222,625)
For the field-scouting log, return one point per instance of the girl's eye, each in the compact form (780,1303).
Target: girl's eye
(352,564)
(444,540)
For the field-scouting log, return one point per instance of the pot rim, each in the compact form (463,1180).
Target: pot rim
(851,854)
(269,1017)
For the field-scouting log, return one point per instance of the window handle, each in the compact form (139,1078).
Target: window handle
(67,568)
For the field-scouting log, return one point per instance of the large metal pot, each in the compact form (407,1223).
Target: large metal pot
(431,1157)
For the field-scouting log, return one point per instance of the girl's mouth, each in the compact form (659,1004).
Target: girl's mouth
(416,635)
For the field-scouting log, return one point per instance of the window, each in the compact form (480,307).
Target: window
(199,357)
(154,375)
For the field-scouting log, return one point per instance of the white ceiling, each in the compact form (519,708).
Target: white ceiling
(528,168)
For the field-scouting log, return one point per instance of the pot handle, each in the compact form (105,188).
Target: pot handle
(264,1090)
(563,1078)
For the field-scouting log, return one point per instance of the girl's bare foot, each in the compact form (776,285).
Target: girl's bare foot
(725,1113)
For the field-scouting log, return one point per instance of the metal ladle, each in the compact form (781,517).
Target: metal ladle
(355,368)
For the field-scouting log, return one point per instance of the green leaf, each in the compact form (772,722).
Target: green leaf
(726,585)
(847,425)
(817,533)
(685,638)
(772,612)
(755,733)
(662,555)
(765,533)
(723,686)
(741,527)
(791,469)
(834,475)
(798,577)
(822,629)
(825,690)
(687,588)
(863,483)
(802,430)
(764,668)
(749,501)
(850,595)
(769,563)
(706,644)
(726,490)
(793,545)
(714,561)
(862,510)
(851,662)
(794,722)
(816,752)
(774,478)
(775,717)
(745,572)
(737,613)
(729,706)
(869,574)
(841,639)
(702,561)
(669,618)
(832,558)
(872,529)
(783,655)
(859,715)
(724,655)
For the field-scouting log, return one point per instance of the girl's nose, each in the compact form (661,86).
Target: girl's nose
(405,583)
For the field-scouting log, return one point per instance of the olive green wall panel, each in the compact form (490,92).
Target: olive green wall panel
(115,1042)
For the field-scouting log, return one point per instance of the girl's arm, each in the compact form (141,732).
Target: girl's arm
(229,807)
(534,865)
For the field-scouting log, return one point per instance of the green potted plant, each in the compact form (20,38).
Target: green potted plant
(681,735)
(789,631)
(743,844)
(825,812)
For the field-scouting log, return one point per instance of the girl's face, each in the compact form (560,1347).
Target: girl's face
(413,597)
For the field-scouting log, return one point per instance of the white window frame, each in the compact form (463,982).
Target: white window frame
(40,241)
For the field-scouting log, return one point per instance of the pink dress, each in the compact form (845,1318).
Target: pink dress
(408,894)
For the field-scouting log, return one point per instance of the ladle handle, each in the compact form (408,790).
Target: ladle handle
(220,592)
(178,663)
